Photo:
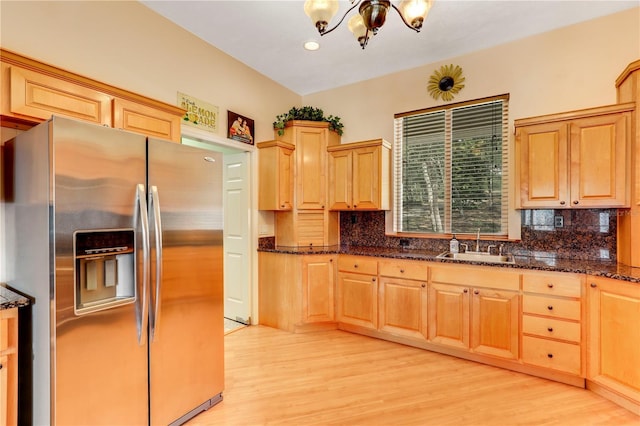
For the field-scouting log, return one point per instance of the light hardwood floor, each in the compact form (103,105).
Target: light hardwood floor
(274,377)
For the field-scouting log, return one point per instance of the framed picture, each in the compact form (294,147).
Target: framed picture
(240,128)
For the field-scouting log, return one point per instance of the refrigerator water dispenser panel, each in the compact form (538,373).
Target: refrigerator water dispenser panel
(104,269)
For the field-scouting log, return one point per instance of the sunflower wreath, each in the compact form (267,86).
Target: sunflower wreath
(446,82)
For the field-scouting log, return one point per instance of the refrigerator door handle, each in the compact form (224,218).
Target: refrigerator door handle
(142,307)
(156,297)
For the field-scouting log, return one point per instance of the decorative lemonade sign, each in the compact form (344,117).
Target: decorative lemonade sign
(199,113)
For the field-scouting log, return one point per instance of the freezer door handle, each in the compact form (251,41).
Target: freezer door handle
(155,296)
(142,307)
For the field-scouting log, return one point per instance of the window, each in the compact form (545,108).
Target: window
(451,169)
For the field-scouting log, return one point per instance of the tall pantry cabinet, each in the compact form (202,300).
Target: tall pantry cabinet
(628,90)
(297,291)
(308,223)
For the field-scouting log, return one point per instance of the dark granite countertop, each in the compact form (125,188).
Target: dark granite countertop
(10,299)
(600,268)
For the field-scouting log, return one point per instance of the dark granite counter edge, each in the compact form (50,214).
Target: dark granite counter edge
(597,268)
(10,299)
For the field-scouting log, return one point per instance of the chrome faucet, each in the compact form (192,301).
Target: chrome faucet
(478,241)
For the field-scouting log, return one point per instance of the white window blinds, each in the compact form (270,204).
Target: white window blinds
(449,169)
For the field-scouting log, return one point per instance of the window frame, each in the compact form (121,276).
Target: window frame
(393,221)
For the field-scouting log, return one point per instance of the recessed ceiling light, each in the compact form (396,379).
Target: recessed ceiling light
(311,45)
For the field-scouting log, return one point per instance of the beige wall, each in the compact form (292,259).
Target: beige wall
(125,44)
(570,68)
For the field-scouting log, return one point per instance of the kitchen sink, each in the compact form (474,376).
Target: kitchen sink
(478,257)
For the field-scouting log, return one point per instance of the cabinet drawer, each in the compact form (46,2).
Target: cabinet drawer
(553,284)
(358,264)
(551,328)
(551,354)
(551,306)
(404,269)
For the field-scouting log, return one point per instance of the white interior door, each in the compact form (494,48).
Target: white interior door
(237,259)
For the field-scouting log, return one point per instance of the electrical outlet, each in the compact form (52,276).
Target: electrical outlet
(558,221)
(404,242)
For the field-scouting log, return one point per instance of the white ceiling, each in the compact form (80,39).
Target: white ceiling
(268,35)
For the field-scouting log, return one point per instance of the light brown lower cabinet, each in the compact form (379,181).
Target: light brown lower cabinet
(9,366)
(613,340)
(403,307)
(465,312)
(296,292)
(357,298)
(402,298)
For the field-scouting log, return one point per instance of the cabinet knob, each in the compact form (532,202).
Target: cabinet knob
(550,285)
(355,206)
(562,203)
(593,285)
(549,355)
(402,271)
(322,206)
(465,291)
(282,206)
(575,202)
(476,292)
(550,329)
(355,265)
(373,280)
(550,308)
(423,285)
(1,366)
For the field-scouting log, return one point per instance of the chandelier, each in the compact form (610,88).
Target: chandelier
(370,17)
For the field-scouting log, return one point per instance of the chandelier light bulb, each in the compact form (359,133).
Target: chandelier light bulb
(415,11)
(321,12)
(359,30)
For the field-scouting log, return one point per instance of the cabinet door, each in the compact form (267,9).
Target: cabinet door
(402,307)
(317,288)
(494,322)
(148,121)
(542,152)
(357,301)
(275,176)
(38,95)
(614,336)
(598,161)
(311,152)
(340,180)
(366,178)
(449,315)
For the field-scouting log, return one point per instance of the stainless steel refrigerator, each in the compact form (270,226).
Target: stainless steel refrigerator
(119,239)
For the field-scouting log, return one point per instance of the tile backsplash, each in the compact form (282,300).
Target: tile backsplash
(585,234)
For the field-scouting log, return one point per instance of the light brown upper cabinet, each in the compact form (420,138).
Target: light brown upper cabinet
(33,91)
(576,159)
(311,139)
(275,175)
(139,118)
(37,95)
(359,175)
